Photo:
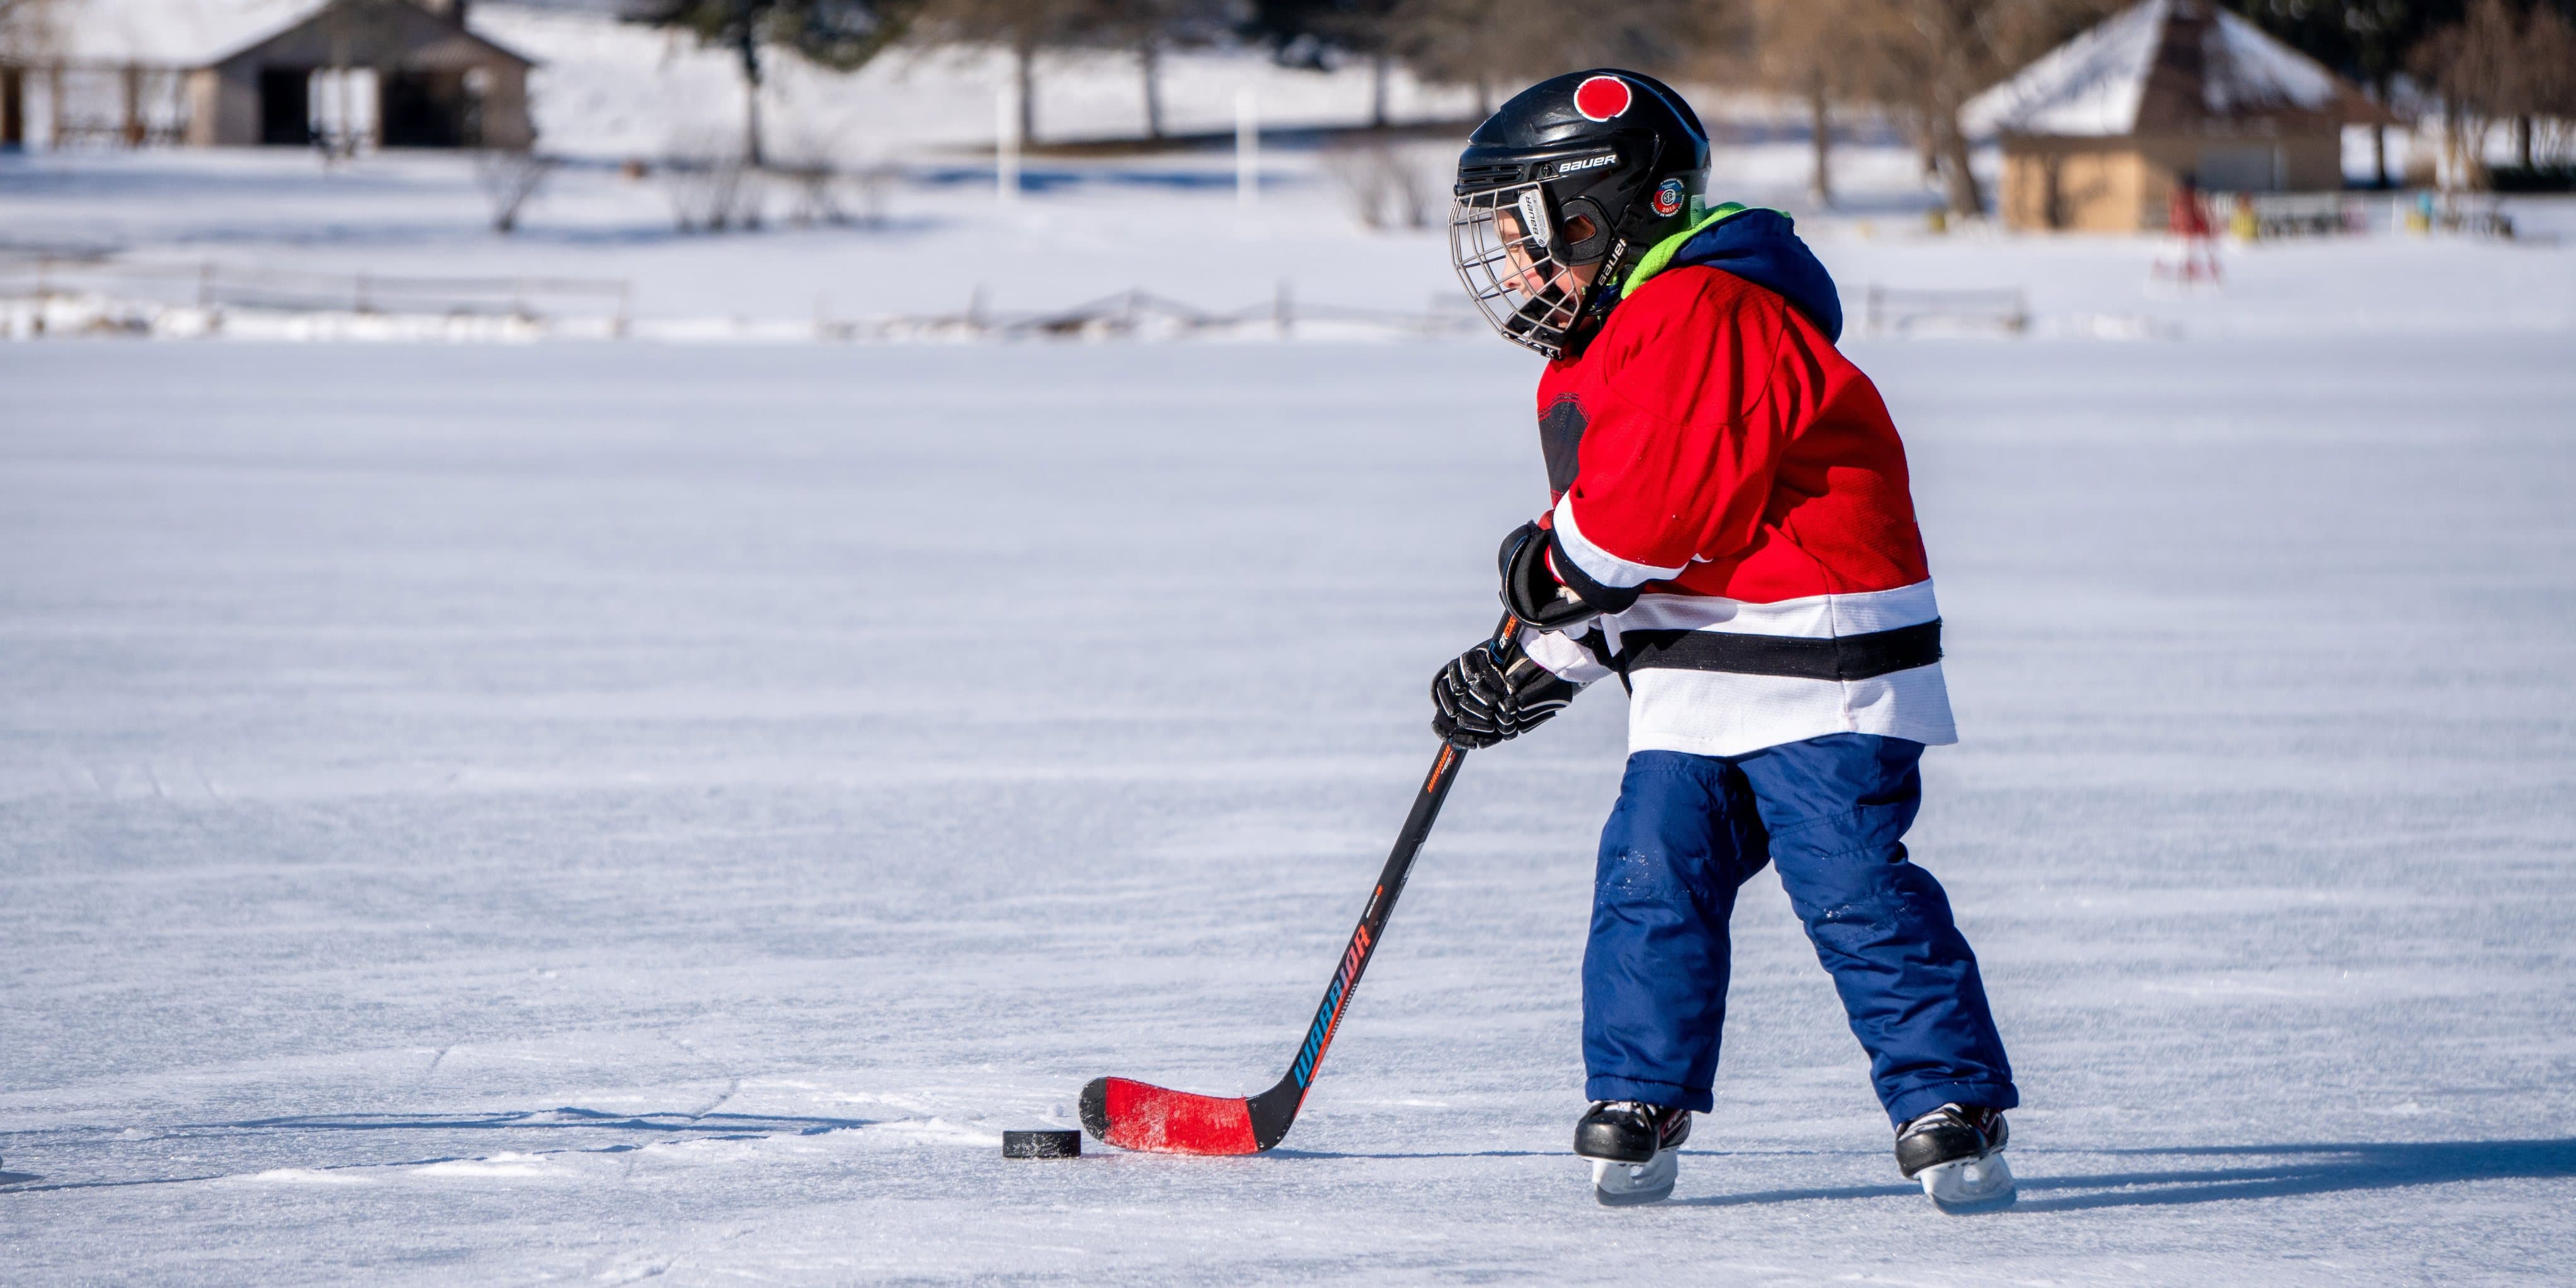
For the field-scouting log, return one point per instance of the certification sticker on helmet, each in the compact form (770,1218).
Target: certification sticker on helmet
(1533,208)
(1668,197)
(1600,98)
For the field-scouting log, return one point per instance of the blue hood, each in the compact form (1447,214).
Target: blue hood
(1760,246)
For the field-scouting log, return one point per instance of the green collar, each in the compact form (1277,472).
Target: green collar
(1660,256)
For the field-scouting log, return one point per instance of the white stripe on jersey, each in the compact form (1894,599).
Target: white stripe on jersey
(1599,564)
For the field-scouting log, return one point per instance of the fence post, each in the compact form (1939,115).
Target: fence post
(1247,149)
(1006,145)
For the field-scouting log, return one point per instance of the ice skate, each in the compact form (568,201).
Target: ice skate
(1635,1150)
(1958,1155)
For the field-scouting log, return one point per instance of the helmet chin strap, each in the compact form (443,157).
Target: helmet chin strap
(1598,299)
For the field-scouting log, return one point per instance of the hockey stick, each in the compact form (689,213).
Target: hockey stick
(1141,1116)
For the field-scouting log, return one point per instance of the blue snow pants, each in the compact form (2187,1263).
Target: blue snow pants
(1688,831)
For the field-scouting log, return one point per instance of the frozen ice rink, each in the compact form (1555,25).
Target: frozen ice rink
(501,814)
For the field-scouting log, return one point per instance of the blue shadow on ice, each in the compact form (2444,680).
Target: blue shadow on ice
(2310,1169)
(2297,1170)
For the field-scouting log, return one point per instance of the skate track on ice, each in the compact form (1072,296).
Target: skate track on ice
(482,815)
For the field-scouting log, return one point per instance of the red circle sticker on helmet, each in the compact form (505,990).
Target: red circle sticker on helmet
(1601,97)
(1668,197)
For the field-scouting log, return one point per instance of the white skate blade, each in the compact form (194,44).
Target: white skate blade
(1969,1185)
(1629,1184)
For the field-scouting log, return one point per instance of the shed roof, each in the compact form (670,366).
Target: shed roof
(2165,66)
(160,33)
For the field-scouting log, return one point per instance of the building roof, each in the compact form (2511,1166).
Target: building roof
(156,33)
(2165,66)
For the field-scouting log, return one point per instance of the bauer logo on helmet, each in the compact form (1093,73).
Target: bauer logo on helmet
(1602,97)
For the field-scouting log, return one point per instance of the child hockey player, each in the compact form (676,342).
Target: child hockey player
(1732,536)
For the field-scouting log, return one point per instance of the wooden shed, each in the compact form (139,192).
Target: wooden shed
(232,73)
(2098,133)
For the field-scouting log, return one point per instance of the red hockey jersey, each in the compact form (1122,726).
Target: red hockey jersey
(1712,453)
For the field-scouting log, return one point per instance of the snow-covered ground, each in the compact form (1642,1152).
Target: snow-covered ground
(1170,225)
(586,811)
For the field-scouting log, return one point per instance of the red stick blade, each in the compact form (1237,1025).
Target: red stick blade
(1141,1116)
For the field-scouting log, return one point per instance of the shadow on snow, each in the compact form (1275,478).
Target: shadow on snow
(2302,1169)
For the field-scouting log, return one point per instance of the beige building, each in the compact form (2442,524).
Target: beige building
(2099,134)
(233,73)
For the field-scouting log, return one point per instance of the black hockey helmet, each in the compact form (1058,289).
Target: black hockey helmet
(1585,169)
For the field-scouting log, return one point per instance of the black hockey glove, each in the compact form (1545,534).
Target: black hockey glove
(1535,592)
(1492,693)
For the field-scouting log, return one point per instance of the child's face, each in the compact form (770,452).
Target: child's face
(1532,277)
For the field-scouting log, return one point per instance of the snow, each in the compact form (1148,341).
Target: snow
(2093,85)
(2264,72)
(491,812)
(161,33)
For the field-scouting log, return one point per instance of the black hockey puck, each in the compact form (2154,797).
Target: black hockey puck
(1041,1144)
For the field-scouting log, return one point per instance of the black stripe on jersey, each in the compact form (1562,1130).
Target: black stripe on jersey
(1850,657)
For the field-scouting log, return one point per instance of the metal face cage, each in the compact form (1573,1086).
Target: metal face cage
(1511,256)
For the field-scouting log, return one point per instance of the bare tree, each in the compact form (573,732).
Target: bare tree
(709,186)
(1147,28)
(1314,33)
(510,179)
(1927,58)
(1803,49)
(1388,186)
(1486,43)
(1924,59)
(840,34)
(2549,54)
(2367,40)
(2495,65)
(1026,28)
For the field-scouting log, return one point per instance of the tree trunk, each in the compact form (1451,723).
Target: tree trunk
(1149,61)
(749,47)
(2379,136)
(1820,129)
(2522,141)
(1377,90)
(1965,199)
(1024,59)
